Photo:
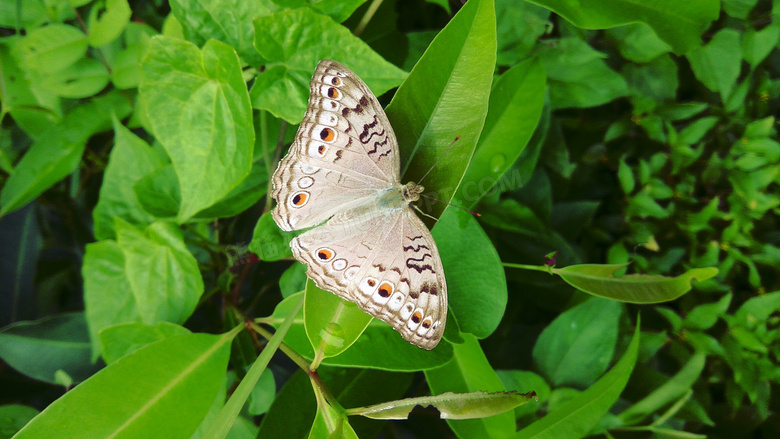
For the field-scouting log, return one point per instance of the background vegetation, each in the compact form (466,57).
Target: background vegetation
(137,144)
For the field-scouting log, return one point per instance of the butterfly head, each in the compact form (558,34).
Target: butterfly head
(412,191)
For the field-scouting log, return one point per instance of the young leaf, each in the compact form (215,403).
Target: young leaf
(450,405)
(599,280)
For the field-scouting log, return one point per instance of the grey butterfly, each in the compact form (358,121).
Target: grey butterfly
(342,177)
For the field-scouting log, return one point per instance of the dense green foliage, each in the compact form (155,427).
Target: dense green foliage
(139,262)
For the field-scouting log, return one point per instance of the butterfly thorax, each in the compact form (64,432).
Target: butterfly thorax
(411,191)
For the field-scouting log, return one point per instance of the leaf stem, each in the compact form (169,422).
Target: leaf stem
(367,17)
(544,268)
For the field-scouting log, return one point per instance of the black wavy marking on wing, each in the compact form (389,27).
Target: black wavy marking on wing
(376,146)
(338,155)
(365,137)
(416,249)
(419,267)
(357,109)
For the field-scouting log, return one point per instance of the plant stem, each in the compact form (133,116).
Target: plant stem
(367,17)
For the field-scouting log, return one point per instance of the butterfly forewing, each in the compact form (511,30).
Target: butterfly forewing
(343,168)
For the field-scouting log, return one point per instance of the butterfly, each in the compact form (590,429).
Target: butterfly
(341,178)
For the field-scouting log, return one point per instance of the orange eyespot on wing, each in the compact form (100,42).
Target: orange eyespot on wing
(325,254)
(327,134)
(416,317)
(299,199)
(385,289)
(371,282)
(333,92)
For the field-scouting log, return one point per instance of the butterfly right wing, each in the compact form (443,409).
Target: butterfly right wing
(385,261)
(344,153)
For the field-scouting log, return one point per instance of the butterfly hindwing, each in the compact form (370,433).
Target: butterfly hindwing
(391,269)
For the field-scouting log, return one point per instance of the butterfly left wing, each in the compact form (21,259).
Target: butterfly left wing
(385,262)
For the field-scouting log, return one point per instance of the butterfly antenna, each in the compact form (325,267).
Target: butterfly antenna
(471,212)
(439,159)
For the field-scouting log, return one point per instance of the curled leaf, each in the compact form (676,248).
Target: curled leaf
(599,280)
(450,405)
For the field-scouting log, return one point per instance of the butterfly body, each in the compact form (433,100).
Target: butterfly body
(341,178)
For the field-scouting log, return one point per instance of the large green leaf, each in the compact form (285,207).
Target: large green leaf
(458,233)
(516,102)
(162,390)
(445,97)
(678,23)
(199,111)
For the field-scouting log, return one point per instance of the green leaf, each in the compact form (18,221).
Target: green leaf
(518,26)
(227,416)
(458,233)
(673,389)
(599,280)
(199,111)
(242,197)
(717,64)
(162,273)
(577,347)
(58,152)
(125,338)
(756,45)
(704,317)
(51,48)
(428,111)
(450,405)
(578,76)
(158,192)
(84,78)
(269,242)
(111,23)
(293,410)
(756,310)
(108,296)
(680,24)
(575,418)
(143,394)
(293,279)
(40,348)
(13,417)
(332,324)
(130,160)
(33,108)
(294,42)
(469,371)
(226,21)
(516,102)
(637,42)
